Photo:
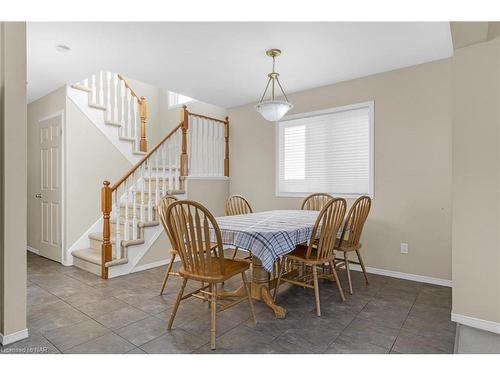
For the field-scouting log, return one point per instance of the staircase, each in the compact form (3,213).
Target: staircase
(197,146)
(116,110)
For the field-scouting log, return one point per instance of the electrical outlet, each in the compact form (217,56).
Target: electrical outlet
(404,248)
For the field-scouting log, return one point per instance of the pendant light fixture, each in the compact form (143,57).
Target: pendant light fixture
(273,110)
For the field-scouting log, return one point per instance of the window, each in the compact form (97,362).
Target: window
(176,100)
(328,151)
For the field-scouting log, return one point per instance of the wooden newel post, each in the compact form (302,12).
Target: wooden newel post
(226,147)
(143,144)
(184,155)
(106,206)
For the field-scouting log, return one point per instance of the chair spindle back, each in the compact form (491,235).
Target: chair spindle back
(327,224)
(353,227)
(162,212)
(316,201)
(192,227)
(237,205)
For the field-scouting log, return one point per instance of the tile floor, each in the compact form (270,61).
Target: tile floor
(72,311)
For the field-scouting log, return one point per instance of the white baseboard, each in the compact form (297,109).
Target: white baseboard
(144,267)
(405,276)
(33,250)
(13,337)
(485,325)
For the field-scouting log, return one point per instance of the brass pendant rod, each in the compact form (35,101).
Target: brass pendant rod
(281,88)
(264,94)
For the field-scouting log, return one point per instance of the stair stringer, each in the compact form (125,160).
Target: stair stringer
(81,99)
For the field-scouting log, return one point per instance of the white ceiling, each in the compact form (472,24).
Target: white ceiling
(225,63)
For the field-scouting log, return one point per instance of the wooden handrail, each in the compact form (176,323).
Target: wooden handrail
(130,88)
(207,117)
(139,163)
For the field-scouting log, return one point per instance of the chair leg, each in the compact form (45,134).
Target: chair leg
(250,302)
(177,302)
(169,269)
(348,271)
(278,282)
(362,266)
(316,290)
(336,277)
(213,313)
(235,252)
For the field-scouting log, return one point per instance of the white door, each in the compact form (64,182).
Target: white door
(49,192)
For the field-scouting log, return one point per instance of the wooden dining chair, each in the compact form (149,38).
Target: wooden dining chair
(316,201)
(350,239)
(318,252)
(162,209)
(238,205)
(192,226)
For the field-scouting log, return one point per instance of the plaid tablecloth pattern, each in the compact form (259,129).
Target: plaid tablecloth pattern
(269,234)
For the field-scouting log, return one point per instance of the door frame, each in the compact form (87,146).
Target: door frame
(61,113)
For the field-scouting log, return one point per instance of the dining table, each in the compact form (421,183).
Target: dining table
(268,235)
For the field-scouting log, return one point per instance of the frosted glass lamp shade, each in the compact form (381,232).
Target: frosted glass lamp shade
(273,110)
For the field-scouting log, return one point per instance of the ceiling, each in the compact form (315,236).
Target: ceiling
(225,63)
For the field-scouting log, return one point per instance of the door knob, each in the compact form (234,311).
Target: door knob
(39,196)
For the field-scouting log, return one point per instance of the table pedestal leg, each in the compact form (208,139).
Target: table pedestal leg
(261,284)
(260,289)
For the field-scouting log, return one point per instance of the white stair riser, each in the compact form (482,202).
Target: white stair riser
(138,213)
(122,228)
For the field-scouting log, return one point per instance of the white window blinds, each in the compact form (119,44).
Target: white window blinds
(327,151)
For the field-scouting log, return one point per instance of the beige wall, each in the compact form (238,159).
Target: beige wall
(161,118)
(476,181)
(37,110)
(412,163)
(90,159)
(211,193)
(13,177)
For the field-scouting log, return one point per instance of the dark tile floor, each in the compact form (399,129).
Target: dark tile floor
(72,311)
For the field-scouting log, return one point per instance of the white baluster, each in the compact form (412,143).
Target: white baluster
(108,97)
(171,163)
(135,122)
(157,185)
(221,150)
(117,221)
(142,194)
(212,148)
(86,82)
(122,109)
(164,162)
(206,151)
(178,141)
(126,222)
(193,157)
(150,201)
(115,98)
(129,122)
(134,208)
(92,89)
(101,88)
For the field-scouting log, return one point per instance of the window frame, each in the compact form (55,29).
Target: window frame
(371,136)
(177,105)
